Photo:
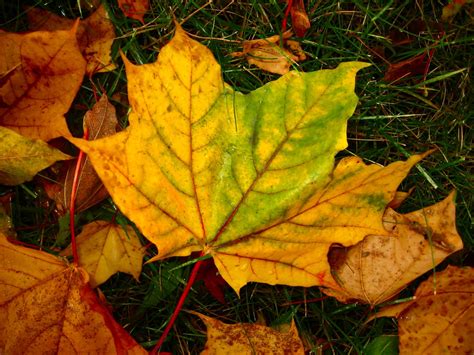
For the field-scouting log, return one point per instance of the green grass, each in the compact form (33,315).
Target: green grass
(390,123)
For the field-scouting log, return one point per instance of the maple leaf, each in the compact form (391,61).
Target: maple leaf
(247,179)
(101,122)
(21,158)
(106,248)
(440,319)
(269,56)
(47,306)
(246,338)
(95,35)
(379,267)
(46,71)
(134,9)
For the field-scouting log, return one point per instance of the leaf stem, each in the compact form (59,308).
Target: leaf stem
(178,307)
(72,203)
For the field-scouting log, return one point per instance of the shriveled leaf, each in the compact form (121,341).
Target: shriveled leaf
(47,307)
(101,122)
(269,56)
(299,18)
(21,158)
(441,318)
(246,338)
(47,69)
(413,66)
(95,35)
(134,9)
(379,267)
(245,178)
(105,248)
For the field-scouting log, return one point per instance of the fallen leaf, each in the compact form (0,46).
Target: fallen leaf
(399,198)
(213,281)
(105,248)
(413,66)
(452,9)
(6,225)
(379,267)
(48,71)
(299,17)
(269,56)
(21,158)
(247,179)
(134,9)
(47,307)
(95,35)
(440,320)
(101,122)
(246,338)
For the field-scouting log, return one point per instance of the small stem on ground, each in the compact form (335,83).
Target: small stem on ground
(72,204)
(178,307)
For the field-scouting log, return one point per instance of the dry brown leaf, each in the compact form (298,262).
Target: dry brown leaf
(47,307)
(269,56)
(379,267)
(101,122)
(246,338)
(440,320)
(95,35)
(299,18)
(46,70)
(105,248)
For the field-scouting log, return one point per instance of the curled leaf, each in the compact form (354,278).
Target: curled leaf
(379,267)
(21,158)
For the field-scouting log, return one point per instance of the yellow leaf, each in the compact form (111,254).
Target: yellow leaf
(21,158)
(247,179)
(269,56)
(45,72)
(47,307)
(95,35)
(246,338)
(379,267)
(441,318)
(105,248)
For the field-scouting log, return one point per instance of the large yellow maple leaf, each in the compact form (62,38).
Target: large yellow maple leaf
(249,178)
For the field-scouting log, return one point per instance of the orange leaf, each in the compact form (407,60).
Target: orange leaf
(48,69)
(299,18)
(245,338)
(379,267)
(95,35)
(440,320)
(135,9)
(47,306)
(101,122)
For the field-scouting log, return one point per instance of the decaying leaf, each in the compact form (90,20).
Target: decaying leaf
(379,267)
(101,122)
(105,248)
(48,69)
(246,338)
(407,68)
(269,56)
(134,9)
(440,320)
(247,179)
(21,158)
(451,9)
(95,35)
(47,307)
(299,18)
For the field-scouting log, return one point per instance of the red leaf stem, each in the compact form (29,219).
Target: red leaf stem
(72,207)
